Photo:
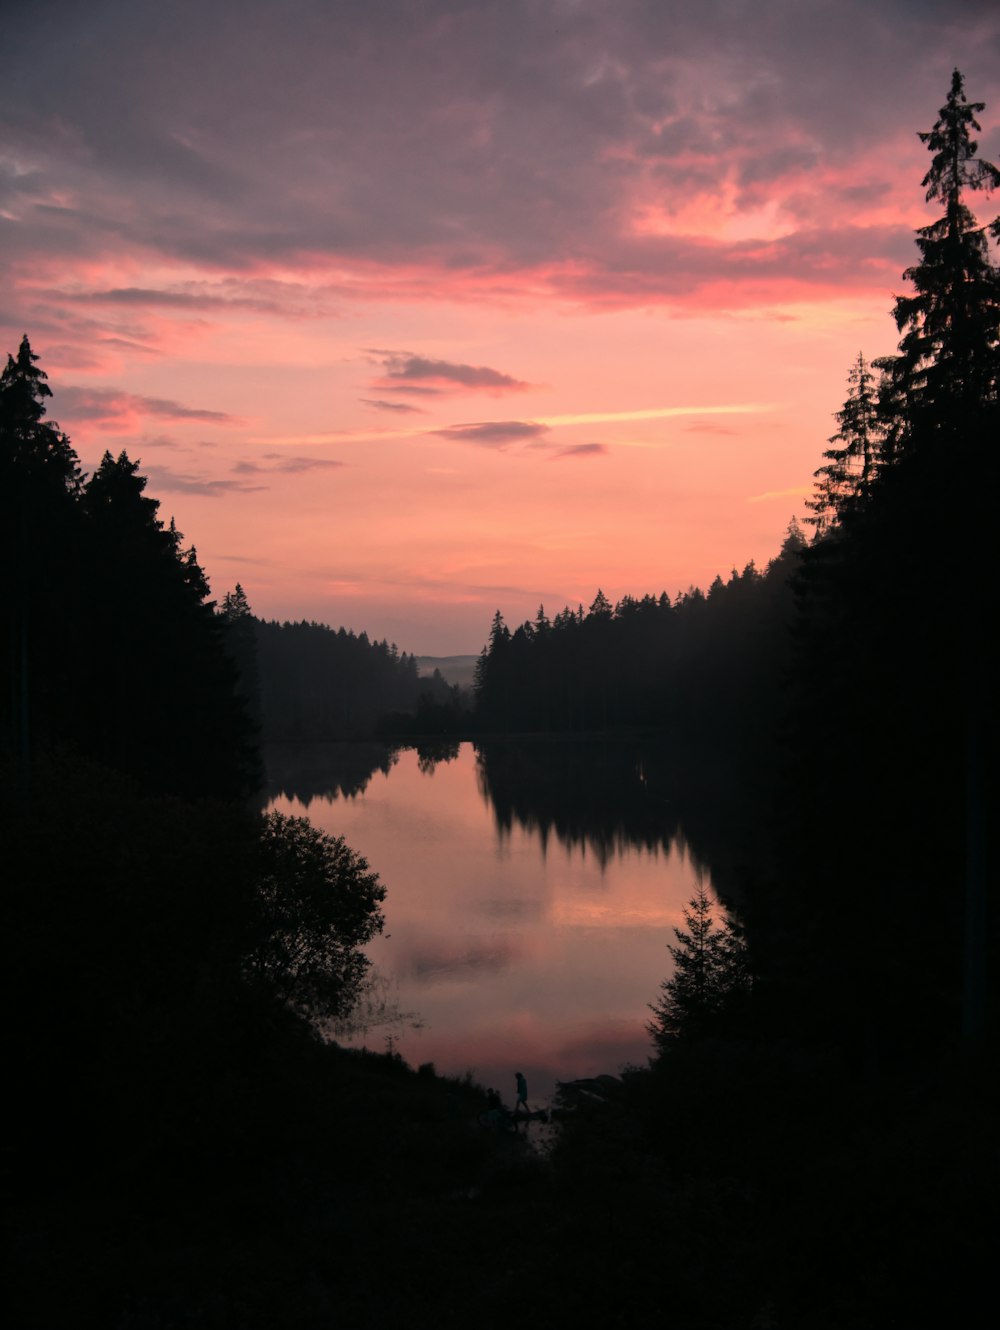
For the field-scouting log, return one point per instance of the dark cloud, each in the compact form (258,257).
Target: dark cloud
(289,465)
(137,295)
(421,150)
(163,441)
(177,482)
(401,408)
(494,433)
(403,368)
(581,450)
(294,299)
(131,346)
(110,404)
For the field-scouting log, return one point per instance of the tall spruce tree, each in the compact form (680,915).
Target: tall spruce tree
(240,636)
(39,563)
(853,455)
(948,356)
(711,971)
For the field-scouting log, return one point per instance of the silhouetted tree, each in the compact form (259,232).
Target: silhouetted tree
(152,621)
(711,971)
(852,460)
(240,637)
(319,905)
(39,560)
(951,325)
(492,684)
(894,697)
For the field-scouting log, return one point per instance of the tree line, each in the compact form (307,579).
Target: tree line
(705,666)
(111,647)
(170,953)
(309,681)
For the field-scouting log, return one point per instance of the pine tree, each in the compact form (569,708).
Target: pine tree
(711,970)
(948,361)
(39,556)
(894,683)
(852,460)
(153,624)
(240,635)
(491,684)
(31,446)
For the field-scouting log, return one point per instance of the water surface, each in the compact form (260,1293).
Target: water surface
(525,930)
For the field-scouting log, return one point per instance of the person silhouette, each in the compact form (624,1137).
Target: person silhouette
(522,1094)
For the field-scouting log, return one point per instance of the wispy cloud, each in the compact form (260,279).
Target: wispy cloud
(168,481)
(657,413)
(253,294)
(113,406)
(796,492)
(398,408)
(581,450)
(402,370)
(494,433)
(288,465)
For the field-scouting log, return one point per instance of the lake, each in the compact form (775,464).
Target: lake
(532,890)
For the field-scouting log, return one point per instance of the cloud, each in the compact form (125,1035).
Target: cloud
(257,295)
(659,413)
(403,369)
(398,407)
(796,492)
(547,136)
(112,406)
(289,465)
(494,433)
(581,450)
(177,482)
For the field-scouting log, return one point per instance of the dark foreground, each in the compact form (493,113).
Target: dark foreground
(349,1190)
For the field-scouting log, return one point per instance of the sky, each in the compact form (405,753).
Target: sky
(419,309)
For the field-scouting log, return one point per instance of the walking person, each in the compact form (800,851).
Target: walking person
(522,1094)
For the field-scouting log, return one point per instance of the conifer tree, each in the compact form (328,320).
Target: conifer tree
(152,621)
(711,970)
(39,528)
(490,683)
(240,635)
(29,444)
(948,359)
(853,457)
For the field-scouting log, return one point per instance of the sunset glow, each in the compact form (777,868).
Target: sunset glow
(417,311)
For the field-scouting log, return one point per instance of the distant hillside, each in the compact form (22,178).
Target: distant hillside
(454,669)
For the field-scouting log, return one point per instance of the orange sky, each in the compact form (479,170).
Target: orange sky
(416,314)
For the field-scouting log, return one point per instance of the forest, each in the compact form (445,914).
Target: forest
(812,1143)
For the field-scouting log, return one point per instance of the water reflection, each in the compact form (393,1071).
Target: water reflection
(306,771)
(605,796)
(532,891)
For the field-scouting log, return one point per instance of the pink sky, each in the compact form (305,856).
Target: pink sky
(413,311)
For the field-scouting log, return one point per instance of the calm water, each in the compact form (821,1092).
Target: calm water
(531,896)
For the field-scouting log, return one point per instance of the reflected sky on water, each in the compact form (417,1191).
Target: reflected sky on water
(517,949)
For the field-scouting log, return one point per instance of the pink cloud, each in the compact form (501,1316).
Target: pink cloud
(119,411)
